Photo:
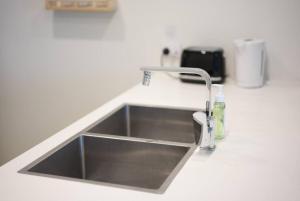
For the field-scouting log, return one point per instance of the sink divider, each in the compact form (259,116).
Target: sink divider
(128,126)
(82,155)
(138,139)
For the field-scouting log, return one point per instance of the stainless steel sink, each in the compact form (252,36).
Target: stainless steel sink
(135,164)
(149,122)
(140,148)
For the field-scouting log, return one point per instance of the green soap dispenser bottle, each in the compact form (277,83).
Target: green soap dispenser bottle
(219,112)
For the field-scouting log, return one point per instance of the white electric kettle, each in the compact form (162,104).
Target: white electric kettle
(250,62)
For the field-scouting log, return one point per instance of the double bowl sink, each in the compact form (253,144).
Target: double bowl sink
(135,147)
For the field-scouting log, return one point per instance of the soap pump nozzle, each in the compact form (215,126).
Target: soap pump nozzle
(219,97)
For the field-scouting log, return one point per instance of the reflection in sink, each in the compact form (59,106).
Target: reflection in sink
(149,122)
(127,163)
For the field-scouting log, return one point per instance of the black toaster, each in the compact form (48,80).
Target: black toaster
(210,59)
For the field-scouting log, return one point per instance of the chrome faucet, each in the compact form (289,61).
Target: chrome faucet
(202,120)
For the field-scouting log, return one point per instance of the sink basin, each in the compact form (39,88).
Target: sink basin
(136,147)
(174,125)
(123,162)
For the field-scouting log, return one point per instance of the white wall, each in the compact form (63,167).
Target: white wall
(57,66)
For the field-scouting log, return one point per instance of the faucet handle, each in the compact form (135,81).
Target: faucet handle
(200,120)
(205,136)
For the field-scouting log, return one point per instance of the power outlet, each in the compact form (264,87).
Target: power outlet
(171,48)
(171,54)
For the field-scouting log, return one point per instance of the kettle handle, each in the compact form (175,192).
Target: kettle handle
(263,63)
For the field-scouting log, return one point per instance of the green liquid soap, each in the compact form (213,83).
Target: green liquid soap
(219,113)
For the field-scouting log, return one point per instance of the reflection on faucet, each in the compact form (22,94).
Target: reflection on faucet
(202,120)
(147,78)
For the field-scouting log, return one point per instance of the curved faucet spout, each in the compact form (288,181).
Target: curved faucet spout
(198,71)
(203,74)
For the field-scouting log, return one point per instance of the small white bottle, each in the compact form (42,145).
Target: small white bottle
(219,112)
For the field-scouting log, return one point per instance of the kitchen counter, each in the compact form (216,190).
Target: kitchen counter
(258,160)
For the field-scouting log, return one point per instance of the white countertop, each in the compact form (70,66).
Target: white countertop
(258,160)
